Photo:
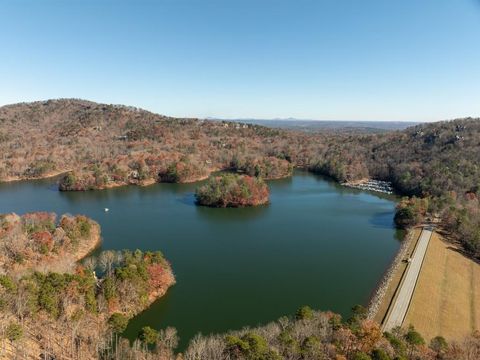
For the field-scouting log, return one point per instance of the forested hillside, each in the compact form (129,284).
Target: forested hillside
(102,146)
(109,145)
(51,306)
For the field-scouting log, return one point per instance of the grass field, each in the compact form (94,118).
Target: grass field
(446,300)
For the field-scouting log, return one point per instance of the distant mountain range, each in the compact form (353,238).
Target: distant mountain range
(322,125)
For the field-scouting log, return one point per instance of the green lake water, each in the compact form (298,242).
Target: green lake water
(315,244)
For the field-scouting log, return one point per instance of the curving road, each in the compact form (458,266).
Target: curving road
(399,308)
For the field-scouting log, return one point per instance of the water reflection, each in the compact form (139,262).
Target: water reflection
(280,184)
(238,267)
(232,215)
(188,199)
(383,219)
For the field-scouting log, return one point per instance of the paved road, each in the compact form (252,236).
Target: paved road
(400,306)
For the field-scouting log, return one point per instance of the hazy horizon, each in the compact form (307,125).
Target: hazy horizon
(298,119)
(231,118)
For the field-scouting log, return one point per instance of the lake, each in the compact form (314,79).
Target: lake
(316,244)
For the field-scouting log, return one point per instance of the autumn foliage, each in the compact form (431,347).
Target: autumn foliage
(323,335)
(268,167)
(183,171)
(37,239)
(230,190)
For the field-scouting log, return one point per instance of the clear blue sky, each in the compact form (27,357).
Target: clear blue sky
(316,59)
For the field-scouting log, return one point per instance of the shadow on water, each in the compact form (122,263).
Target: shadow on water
(280,184)
(232,215)
(53,186)
(382,220)
(399,235)
(188,199)
(90,195)
(79,197)
(124,192)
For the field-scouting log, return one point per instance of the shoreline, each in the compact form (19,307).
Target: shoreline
(113,185)
(146,182)
(193,180)
(46,176)
(381,290)
(379,186)
(89,249)
(399,305)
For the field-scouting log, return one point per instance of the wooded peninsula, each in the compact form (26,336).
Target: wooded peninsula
(57,304)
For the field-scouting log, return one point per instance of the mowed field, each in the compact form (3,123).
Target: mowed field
(446,300)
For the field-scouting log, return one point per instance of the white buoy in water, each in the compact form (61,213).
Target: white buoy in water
(106,209)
